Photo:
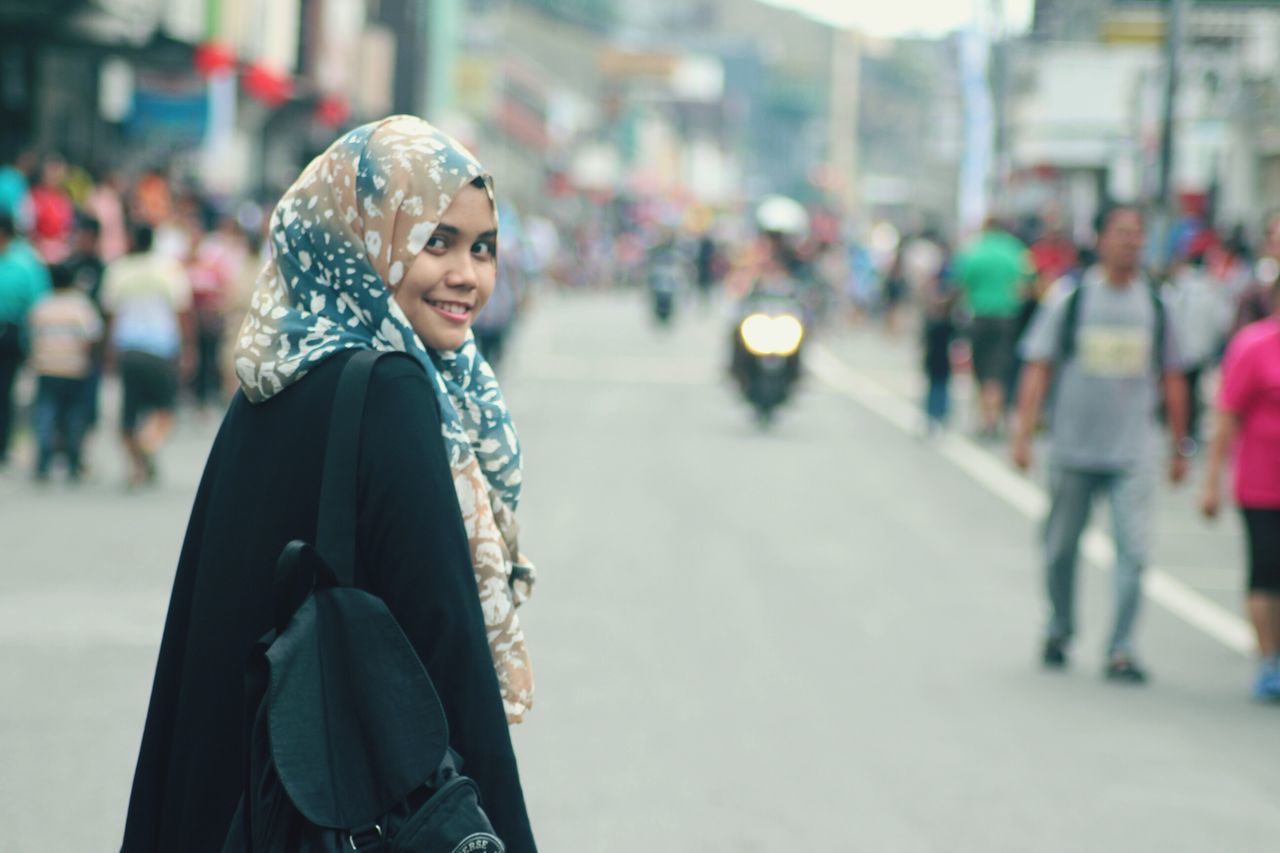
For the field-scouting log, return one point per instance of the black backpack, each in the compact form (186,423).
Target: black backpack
(347,746)
(1070,330)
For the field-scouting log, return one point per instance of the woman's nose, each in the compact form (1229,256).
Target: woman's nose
(462,275)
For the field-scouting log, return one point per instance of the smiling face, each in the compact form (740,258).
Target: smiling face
(452,278)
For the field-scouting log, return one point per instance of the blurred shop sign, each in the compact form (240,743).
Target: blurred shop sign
(185,19)
(377,70)
(698,78)
(475,79)
(596,167)
(118,21)
(522,111)
(170,109)
(115,89)
(626,64)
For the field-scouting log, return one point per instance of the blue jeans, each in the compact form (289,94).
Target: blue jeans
(937,401)
(1071,495)
(60,411)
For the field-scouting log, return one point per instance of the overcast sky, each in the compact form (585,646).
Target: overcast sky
(903,17)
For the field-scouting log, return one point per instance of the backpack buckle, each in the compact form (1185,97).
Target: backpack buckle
(365,838)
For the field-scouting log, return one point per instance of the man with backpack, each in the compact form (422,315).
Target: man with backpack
(1106,344)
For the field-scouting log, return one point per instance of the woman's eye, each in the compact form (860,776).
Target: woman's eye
(437,244)
(485,249)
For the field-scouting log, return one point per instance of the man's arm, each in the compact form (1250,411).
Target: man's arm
(1032,388)
(1176,409)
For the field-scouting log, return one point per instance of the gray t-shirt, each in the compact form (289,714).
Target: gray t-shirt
(1105,395)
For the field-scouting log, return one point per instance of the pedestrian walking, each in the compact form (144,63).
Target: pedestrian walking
(65,330)
(217,263)
(493,326)
(1248,422)
(939,335)
(1253,302)
(992,272)
(147,299)
(15,187)
(1200,310)
(86,267)
(1110,351)
(893,291)
(707,259)
(53,213)
(23,281)
(106,206)
(387,241)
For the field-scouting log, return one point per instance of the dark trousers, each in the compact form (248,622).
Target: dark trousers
(1195,414)
(10,361)
(206,384)
(937,401)
(60,420)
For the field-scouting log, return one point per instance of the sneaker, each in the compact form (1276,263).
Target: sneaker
(1266,687)
(1055,654)
(1125,670)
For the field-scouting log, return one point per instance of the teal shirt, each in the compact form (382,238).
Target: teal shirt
(13,193)
(992,272)
(24,280)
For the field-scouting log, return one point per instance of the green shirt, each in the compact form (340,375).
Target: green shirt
(992,271)
(23,280)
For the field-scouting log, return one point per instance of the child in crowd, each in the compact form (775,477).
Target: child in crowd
(65,327)
(939,333)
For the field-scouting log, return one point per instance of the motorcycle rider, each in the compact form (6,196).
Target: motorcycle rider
(667,271)
(774,271)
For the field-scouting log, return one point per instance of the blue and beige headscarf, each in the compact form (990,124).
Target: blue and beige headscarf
(342,238)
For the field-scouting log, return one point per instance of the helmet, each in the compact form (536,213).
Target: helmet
(782,215)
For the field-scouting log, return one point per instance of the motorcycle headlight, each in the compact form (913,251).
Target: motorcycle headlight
(765,335)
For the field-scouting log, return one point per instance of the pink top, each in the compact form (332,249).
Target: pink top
(1251,391)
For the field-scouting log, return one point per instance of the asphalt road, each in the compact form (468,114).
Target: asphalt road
(822,636)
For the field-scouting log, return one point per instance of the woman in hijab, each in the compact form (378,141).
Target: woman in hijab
(387,241)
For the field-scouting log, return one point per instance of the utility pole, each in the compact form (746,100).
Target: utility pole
(443,29)
(842,115)
(999,71)
(1166,201)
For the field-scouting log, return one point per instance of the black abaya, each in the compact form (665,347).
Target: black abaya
(260,490)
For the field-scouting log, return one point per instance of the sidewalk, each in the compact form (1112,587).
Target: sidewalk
(1206,557)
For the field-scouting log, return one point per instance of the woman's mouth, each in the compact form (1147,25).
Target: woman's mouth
(455,312)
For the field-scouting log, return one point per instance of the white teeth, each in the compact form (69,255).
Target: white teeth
(453,307)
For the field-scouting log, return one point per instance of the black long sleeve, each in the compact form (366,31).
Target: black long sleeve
(417,558)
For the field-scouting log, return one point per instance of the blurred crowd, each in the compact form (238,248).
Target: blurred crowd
(131,274)
(166,271)
(978,300)
(145,277)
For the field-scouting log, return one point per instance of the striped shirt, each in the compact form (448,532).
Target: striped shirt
(64,328)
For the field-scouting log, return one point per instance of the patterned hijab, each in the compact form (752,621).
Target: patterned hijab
(342,238)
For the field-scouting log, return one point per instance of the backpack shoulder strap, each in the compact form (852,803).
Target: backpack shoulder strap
(1070,320)
(1162,328)
(336,520)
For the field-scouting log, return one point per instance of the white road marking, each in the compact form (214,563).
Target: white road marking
(1029,499)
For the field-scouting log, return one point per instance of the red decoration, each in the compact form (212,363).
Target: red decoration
(213,58)
(270,87)
(332,111)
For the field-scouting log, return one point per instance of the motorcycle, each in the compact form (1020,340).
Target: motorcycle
(662,290)
(668,277)
(767,343)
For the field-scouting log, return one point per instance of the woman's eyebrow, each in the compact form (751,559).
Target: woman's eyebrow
(450,230)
